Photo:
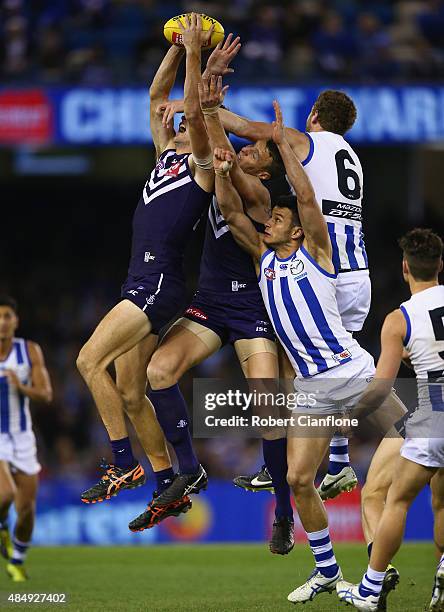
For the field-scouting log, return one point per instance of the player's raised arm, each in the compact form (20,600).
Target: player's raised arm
(260,130)
(250,189)
(160,89)
(231,206)
(392,347)
(40,389)
(201,161)
(312,220)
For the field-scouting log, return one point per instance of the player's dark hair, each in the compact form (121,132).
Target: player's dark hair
(422,249)
(290,202)
(276,167)
(7,300)
(336,111)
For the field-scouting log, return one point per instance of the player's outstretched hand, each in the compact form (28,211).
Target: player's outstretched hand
(278,124)
(193,37)
(168,109)
(222,161)
(211,93)
(222,56)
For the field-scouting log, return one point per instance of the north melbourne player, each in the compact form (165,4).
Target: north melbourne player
(297,278)
(23,378)
(417,326)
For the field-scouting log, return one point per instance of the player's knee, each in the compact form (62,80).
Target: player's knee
(84,362)
(299,481)
(371,491)
(162,372)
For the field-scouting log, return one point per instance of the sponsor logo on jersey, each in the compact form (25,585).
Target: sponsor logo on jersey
(150,300)
(340,357)
(270,274)
(195,312)
(296,267)
(133,292)
(149,257)
(182,423)
(283,266)
(235,285)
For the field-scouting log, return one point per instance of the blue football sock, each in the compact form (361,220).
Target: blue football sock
(275,457)
(172,414)
(339,458)
(19,552)
(122,453)
(163,479)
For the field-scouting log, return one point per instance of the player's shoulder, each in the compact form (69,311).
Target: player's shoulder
(34,350)
(396,322)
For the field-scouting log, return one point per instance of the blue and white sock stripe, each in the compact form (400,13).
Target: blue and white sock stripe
(322,548)
(374,585)
(339,450)
(20,550)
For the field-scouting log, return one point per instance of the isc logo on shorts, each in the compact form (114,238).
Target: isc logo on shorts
(342,356)
(195,312)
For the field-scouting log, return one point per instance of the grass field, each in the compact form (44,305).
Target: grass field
(206,578)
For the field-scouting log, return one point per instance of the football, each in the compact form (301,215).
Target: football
(172,33)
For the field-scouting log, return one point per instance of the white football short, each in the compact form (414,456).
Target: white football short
(353,294)
(338,389)
(428,452)
(20,451)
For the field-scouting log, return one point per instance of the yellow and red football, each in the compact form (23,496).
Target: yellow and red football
(173,34)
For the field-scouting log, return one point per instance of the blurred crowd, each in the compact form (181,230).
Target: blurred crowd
(99,42)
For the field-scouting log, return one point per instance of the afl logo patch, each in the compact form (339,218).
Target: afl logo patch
(269,274)
(296,267)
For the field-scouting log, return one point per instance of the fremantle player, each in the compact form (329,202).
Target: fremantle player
(418,326)
(227,308)
(173,200)
(297,278)
(23,377)
(335,172)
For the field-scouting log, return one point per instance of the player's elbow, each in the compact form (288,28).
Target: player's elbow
(47,396)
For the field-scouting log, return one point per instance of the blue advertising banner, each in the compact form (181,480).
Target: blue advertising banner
(103,116)
(221,514)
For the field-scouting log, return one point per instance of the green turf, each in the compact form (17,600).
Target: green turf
(206,578)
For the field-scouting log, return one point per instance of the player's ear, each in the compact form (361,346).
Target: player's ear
(297,233)
(405,269)
(264,175)
(440,267)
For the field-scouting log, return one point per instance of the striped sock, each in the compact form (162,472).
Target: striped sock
(322,550)
(20,550)
(339,458)
(371,583)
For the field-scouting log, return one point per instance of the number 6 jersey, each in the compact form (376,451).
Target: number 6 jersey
(336,175)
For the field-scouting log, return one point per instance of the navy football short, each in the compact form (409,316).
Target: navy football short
(232,316)
(160,296)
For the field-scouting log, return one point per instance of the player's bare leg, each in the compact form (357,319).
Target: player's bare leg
(185,345)
(7,495)
(304,457)
(24,501)
(437,487)
(119,331)
(379,478)
(410,480)
(131,382)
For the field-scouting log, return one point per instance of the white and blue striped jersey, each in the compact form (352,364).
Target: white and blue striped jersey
(335,172)
(14,407)
(300,298)
(424,341)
